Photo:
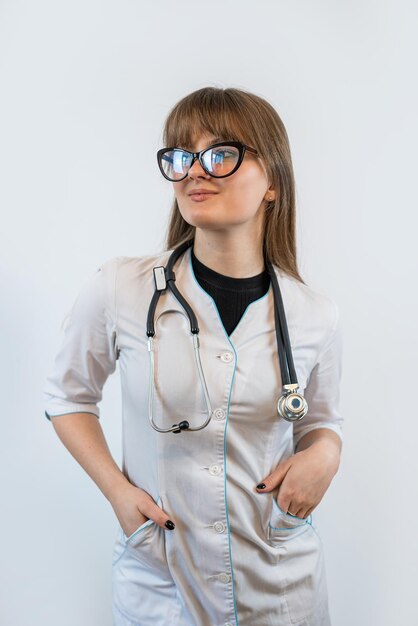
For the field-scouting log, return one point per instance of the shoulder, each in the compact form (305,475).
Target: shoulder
(127,268)
(129,278)
(312,307)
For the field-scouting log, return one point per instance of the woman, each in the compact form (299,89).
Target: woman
(215,524)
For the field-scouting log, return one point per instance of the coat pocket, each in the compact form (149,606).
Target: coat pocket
(301,560)
(284,526)
(139,534)
(142,537)
(143,588)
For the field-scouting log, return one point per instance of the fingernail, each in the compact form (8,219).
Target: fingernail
(261,486)
(170,525)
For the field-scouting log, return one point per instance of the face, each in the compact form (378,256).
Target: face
(238,198)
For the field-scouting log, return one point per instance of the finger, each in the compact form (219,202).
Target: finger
(284,505)
(131,529)
(301,512)
(274,479)
(158,515)
(293,511)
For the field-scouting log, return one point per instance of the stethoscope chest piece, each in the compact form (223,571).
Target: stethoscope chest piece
(292,406)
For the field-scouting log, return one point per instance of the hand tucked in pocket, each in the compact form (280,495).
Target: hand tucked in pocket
(133,506)
(303,478)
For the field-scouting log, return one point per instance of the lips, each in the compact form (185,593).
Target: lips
(201,197)
(201,192)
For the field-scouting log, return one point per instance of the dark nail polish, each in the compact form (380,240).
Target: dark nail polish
(261,486)
(170,525)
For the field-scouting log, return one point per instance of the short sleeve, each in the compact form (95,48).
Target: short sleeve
(323,388)
(88,351)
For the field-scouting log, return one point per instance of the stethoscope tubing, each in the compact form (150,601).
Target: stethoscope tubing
(291,405)
(287,365)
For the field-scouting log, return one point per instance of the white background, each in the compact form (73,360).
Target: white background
(85,88)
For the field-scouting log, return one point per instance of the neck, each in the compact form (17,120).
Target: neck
(229,254)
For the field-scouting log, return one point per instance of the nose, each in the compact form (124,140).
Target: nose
(197,170)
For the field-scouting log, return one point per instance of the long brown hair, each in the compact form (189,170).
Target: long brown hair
(241,116)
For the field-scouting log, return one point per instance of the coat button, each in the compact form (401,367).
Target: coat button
(219,414)
(226,357)
(224,578)
(219,527)
(215,469)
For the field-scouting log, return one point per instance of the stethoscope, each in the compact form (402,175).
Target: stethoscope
(291,406)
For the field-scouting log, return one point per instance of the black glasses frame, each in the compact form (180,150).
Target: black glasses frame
(242,147)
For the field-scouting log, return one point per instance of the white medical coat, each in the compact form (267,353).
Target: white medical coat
(234,558)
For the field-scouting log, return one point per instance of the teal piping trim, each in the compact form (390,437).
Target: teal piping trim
(48,415)
(227,416)
(289,529)
(305,520)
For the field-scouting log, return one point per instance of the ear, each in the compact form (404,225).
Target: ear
(270,195)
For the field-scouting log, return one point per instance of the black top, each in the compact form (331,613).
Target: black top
(231,295)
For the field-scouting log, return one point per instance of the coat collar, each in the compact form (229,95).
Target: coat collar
(258,316)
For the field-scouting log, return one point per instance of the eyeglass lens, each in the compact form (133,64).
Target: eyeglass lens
(218,161)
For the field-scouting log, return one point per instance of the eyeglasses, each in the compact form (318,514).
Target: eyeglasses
(219,160)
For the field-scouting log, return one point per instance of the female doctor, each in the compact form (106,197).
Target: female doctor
(218,483)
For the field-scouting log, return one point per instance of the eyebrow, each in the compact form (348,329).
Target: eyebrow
(216,139)
(212,141)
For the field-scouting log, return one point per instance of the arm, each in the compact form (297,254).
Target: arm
(323,423)
(306,475)
(326,442)
(83,437)
(86,358)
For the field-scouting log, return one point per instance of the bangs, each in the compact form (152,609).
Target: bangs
(200,113)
